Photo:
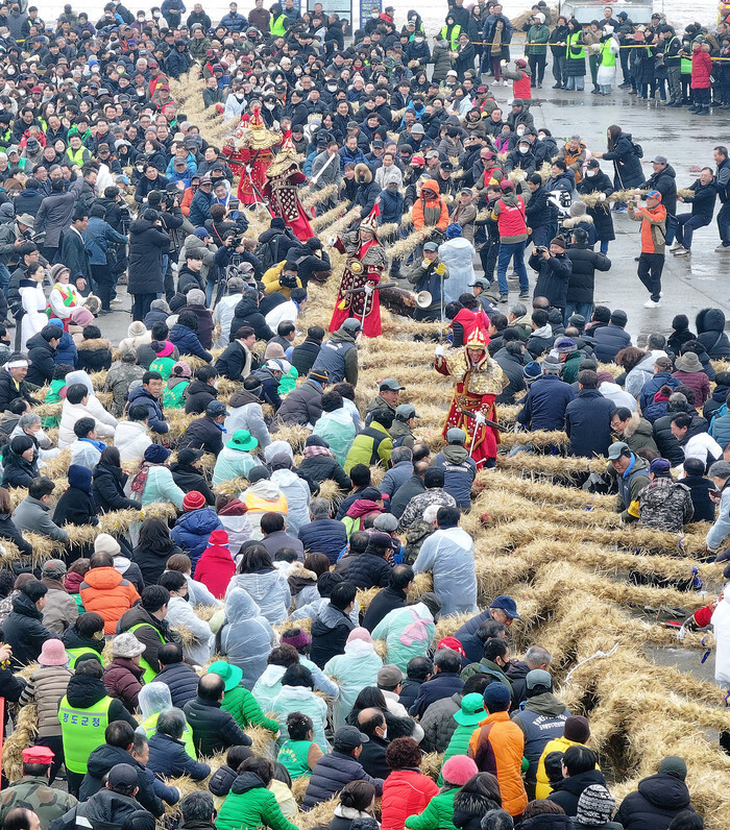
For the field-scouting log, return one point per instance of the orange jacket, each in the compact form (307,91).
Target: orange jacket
(497,746)
(430,212)
(107,592)
(653,227)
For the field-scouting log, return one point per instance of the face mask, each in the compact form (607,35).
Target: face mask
(332,87)
(270,106)
(419,40)
(156,15)
(520,131)
(524,150)
(541,136)
(375,15)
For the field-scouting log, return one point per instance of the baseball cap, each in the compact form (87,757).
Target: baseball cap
(654,194)
(216,408)
(390,675)
(390,385)
(659,466)
(617,449)
(124,776)
(538,677)
(663,362)
(405,412)
(507,604)
(480,282)
(348,738)
(659,160)
(37,755)
(430,246)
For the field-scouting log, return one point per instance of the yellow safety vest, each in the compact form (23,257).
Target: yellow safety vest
(82,731)
(572,40)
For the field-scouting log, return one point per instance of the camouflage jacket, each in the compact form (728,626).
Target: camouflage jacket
(33,793)
(665,505)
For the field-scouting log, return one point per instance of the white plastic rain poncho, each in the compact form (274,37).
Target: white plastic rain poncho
(721,629)
(297,495)
(153,699)
(246,637)
(181,615)
(301,699)
(449,555)
(268,686)
(269,590)
(458,255)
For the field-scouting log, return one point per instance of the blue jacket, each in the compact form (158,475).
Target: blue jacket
(392,206)
(200,208)
(182,680)
(720,428)
(442,685)
(99,235)
(328,536)
(544,406)
(467,636)
(347,157)
(66,352)
(588,423)
(652,386)
(331,773)
(156,420)
(192,530)
(459,473)
(169,758)
(187,342)
(608,342)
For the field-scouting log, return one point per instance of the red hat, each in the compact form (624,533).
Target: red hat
(416,160)
(453,644)
(38,755)
(36,90)
(193,500)
(520,62)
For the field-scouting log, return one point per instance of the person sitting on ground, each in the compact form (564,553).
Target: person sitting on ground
(214,729)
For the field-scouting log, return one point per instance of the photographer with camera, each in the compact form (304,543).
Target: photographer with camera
(553,272)
(12,236)
(229,253)
(167,203)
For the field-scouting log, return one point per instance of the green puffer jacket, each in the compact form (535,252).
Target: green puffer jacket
(439,813)
(458,745)
(245,710)
(250,805)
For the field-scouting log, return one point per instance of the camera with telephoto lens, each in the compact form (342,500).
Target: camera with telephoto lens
(288,281)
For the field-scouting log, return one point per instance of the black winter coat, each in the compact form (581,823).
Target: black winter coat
(188,479)
(202,434)
(152,561)
(626,164)
(197,396)
(8,530)
(214,729)
(512,365)
(539,211)
(182,680)
(582,278)
(232,362)
(94,355)
(405,493)
(9,391)
(24,630)
(42,358)
(656,802)
(108,488)
(102,759)
(710,324)
(155,416)
(553,276)
(247,313)
(17,471)
(76,507)
(567,792)
(372,757)
(366,570)
(667,444)
(321,468)
(304,355)
(385,601)
(665,181)
(147,244)
(302,405)
(601,214)
(588,423)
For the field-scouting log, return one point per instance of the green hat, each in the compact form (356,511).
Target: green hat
(242,440)
(232,675)
(472,710)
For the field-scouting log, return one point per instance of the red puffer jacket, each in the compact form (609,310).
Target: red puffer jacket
(701,69)
(406,792)
(216,567)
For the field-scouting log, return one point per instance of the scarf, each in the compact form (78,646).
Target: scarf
(100,445)
(140,478)
(312,452)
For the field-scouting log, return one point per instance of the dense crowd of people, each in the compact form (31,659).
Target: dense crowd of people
(252,638)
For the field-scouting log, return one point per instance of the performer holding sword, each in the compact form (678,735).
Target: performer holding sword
(479,380)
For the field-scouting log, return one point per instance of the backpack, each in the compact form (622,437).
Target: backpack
(638,150)
(266,255)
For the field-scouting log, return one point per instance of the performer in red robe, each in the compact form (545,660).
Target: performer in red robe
(249,154)
(365,265)
(479,380)
(283,178)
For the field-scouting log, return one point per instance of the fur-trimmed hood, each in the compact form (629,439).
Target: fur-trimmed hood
(93,345)
(572,221)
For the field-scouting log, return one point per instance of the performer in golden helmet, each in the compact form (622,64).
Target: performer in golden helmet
(283,178)
(249,154)
(364,267)
(478,382)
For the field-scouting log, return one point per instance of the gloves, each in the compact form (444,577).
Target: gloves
(331,241)
(479,419)
(602,197)
(439,351)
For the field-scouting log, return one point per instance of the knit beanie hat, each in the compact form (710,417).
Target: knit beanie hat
(104,543)
(193,500)
(595,806)
(578,209)
(577,729)
(673,765)
(56,271)
(680,322)
(459,769)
